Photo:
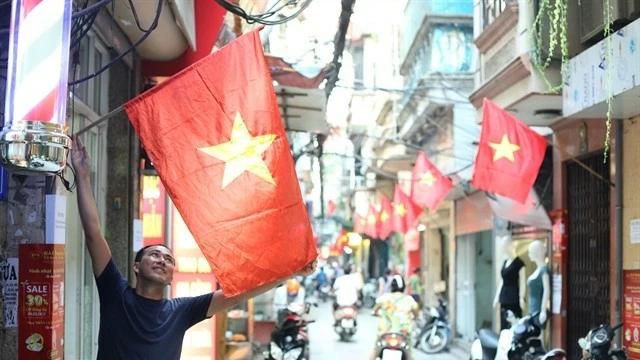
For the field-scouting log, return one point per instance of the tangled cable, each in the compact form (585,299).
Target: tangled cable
(263,18)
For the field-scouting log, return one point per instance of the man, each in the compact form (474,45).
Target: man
(285,295)
(384,283)
(321,279)
(346,290)
(415,285)
(396,311)
(138,323)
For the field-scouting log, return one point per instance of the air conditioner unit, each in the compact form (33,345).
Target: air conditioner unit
(592,16)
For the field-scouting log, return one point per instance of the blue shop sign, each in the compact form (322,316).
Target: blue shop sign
(4,179)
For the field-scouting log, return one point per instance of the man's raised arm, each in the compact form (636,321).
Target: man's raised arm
(96,243)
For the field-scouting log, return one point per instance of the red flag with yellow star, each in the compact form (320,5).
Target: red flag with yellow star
(371,229)
(385,224)
(359,223)
(405,211)
(509,154)
(216,139)
(428,185)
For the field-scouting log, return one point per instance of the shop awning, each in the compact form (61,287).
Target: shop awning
(532,213)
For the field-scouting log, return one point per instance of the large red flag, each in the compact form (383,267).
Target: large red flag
(359,223)
(428,185)
(385,224)
(371,229)
(405,211)
(509,154)
(215,136)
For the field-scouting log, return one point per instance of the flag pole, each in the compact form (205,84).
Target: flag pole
(111,114)
(581,164)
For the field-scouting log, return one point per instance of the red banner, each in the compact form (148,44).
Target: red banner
(152,210)
(40,302)
(631,319)
(192,277)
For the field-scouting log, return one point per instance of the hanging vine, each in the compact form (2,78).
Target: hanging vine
(556,12)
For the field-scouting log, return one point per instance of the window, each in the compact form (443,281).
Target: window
(93,93)
(491,9)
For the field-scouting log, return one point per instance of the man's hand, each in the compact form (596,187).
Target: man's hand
(309,269)
(80,158)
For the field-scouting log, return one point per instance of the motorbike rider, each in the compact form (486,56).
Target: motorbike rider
(396,311)
(384,283)
(292,292)
(346,290)
(321,279)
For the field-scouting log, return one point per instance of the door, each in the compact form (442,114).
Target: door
(484,280)
(465,286)
(589,249)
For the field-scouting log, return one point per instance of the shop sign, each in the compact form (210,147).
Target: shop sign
(631,315)
(4,179)
(41,302)
(152,206)
(9,288)
(192,277)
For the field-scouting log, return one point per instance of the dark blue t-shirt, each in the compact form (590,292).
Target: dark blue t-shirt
(135,328)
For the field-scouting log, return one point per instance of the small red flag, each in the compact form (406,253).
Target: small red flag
(371,229)
(359,223)
(405,211)
(509,154)
(428,185)
(215,136)
(385,225)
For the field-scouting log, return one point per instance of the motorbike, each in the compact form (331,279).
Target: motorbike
(289,341)
(346,324)
(392,346)
(521,341)
(324,293)
(597,344)
(435,334)
(369,294)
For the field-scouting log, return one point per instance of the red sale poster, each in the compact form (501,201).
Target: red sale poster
(40,302)
(631,328)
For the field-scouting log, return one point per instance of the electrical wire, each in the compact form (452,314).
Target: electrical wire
(262,18)
(153,26)
(135,16)
(90,10)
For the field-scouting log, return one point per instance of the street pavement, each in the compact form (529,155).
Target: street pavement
(325,343)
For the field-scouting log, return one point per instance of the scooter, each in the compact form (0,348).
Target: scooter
(290,340)
(597,344)
(435,335)
(324,293)
(369,294)
(346,324)
(393,346)
(489,345)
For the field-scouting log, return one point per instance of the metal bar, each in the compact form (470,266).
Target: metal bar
(111,114)
(300,107)
(581,164)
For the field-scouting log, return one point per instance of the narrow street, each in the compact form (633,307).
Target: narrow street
(325,344)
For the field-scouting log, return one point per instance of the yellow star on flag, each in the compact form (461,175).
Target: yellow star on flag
(372,219)
(242,152)
(384,216)
(427,178)
(504,149)
(400,210)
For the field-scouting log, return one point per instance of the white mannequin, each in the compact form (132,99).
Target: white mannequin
(537,254)
(506,243)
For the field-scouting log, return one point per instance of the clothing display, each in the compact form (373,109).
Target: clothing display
(536,289)
(509,297)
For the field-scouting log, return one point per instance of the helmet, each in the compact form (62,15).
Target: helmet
(293,286)
(397,284)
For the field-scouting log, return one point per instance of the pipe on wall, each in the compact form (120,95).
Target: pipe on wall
(619,225)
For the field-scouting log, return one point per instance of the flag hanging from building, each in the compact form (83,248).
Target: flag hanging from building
(215,136)
(509,154)
(359,223)
(405,211)
(385,224)
(371,229)
(428,185)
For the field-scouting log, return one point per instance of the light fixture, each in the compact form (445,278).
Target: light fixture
(348,250)
(422,227)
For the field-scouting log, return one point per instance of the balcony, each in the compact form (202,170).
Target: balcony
(492,9)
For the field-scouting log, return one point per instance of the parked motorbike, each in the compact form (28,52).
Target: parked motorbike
(435,334)
(289,341)
(597,344)
(346,324)
(392,346)
(521,341)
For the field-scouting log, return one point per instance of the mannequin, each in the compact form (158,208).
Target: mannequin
(539,283)
(510,294)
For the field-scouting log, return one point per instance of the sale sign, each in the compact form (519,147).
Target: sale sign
(152,210)
(631,314)
(40,302)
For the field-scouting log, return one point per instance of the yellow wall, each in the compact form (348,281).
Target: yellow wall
(630,190)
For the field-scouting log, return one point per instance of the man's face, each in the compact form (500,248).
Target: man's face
(156,265)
